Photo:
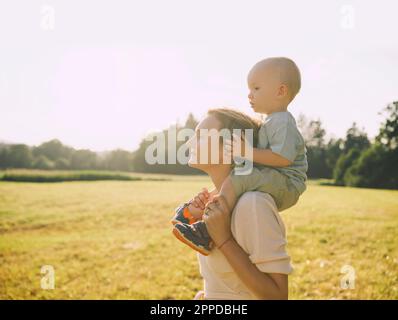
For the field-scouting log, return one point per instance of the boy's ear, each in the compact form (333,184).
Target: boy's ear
(283,90)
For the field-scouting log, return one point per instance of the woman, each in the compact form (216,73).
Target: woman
(249,260)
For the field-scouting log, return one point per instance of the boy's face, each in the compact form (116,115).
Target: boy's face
(264,89)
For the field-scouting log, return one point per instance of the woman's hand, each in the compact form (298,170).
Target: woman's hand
(218,220)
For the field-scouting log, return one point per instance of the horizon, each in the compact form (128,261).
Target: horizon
(328,137)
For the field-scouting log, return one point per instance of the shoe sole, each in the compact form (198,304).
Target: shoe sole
(174,222)
(181,237)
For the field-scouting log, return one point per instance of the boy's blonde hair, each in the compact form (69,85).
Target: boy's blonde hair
(289,73)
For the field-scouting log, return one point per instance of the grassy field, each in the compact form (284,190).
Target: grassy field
(112,240)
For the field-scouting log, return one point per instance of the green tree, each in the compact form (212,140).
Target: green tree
(43,163)
(19,156)
(376,167)
(314,137)
(119,160)
(141,165)
(4,157)
(388,134)
(355,142)
(356,138)
(62,164)
(53,150)
(84,159)
(334,149)
(345,161)
(312,131)
(191,122)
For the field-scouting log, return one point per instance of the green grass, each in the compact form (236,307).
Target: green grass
(23,175)
(112,240)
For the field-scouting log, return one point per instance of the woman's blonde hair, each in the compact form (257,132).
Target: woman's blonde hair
(233,119)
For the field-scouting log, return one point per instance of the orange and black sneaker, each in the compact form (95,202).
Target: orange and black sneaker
(194,235)
(183,215)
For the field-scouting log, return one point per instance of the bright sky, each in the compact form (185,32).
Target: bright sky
(103,74)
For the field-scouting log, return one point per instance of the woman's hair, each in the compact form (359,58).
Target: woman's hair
(233,119)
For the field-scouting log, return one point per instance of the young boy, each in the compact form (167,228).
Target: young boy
(280,156)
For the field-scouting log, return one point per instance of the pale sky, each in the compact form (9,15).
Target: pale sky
(103,74)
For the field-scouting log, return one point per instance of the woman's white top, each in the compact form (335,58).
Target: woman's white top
(258,228)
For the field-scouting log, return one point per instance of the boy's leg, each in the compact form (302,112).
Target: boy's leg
(228,192)
(264,179)
(289,197)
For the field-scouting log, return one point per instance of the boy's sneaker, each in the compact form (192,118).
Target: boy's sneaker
(194,235)
(182,215)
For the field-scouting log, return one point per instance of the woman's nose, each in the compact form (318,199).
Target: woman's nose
(250,96)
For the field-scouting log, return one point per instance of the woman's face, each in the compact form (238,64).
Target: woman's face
(205,147)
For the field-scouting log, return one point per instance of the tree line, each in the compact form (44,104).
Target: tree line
(353,160)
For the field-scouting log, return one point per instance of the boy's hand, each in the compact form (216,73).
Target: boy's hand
(235,148)
(200,200)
